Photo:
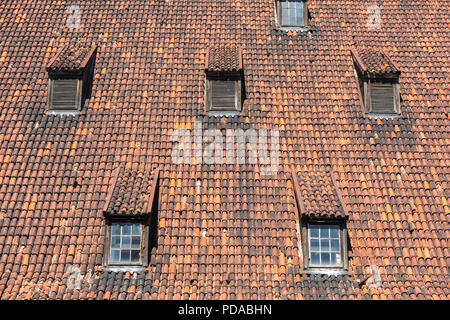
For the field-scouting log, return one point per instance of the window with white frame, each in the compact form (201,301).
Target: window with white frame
(126,246)
(291,13)
(326,243)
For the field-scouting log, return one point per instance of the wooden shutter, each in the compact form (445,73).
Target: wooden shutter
(223,95)
(65,94)
(382,98)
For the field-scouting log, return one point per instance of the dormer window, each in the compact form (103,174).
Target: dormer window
(378,80)
(291,13)
(224,80)
(70,77)
(323,218)
(130,211)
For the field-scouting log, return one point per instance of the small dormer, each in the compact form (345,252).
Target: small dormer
(378,79)
(224,80)
(70,74)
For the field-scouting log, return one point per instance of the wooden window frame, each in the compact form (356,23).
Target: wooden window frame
(144,243)
(343,267)
(278,14)
(79,94)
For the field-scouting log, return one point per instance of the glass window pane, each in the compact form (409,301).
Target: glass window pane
(334,232)
(314,245)
(335,245)
(324,232)
(136,229)
(115,229)
(315,258)
(333,259)
(324,245)
(135,255)
(115,242)
(125,256)
(136,242)
(314,231)
(325,258)
(126,229)
(126,242)
(115,256)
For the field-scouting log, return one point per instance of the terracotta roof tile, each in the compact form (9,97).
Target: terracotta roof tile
(131,193)
(374,62)
(317,194)
(72,57)
(224,59)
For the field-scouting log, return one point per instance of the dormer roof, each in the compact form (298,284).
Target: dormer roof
(374,63)
(71,58)
(131,193)
(317,194)
(224,59)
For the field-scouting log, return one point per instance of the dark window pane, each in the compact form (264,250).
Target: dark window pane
(315,258)
(325,258)
(125,256)
(135,255)
(136,242)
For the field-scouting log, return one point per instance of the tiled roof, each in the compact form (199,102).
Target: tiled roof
(224,59)
(71,57)
(374,62)
(131,193)
(224,230)
(317,194)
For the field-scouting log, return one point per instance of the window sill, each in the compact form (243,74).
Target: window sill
(63,112)
(329,272)
(230,113)
(383,115)
(124,268)
(298,29)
